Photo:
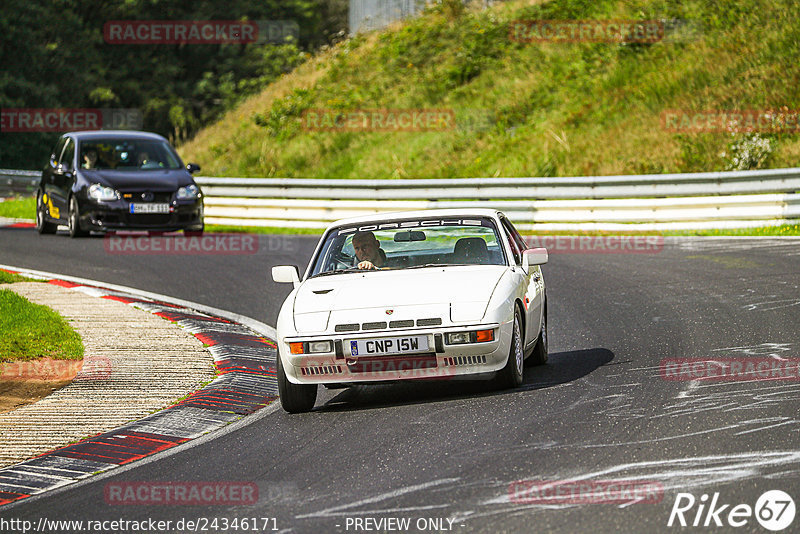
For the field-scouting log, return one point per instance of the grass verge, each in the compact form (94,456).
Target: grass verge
(29,331)
(10,278)
(19,208)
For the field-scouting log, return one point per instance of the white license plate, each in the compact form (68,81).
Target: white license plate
(388,345)
(149,208)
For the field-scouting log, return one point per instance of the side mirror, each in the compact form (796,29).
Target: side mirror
(64,170)
(533,256)
(286,274)
(192,167)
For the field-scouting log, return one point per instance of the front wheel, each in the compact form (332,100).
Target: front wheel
(42,226)
(295,398)
(510,376)
(74,219)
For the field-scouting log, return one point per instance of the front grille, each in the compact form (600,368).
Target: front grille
(347,327)
(374,326)
(401,324)
(321,370)
(433,321)
(136,196)
(465,360)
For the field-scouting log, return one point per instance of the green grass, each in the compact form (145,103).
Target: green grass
(784,230)
(19,208)
(225,229)
(523,109)
(10,278)
(29,331)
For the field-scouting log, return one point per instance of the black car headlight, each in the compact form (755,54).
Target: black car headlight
(101,192)
(188,192)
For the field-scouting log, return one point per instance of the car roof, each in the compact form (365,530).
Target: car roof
(436,212)
(114,134)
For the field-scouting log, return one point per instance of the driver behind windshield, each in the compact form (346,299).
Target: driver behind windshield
(368,251)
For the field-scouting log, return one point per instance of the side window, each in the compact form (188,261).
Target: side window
(516,250)
(57,151)
(68,155)
(516,237)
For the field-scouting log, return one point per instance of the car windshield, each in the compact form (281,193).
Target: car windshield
(127,155)
(410,244)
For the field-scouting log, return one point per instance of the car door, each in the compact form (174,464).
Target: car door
(63,178)
(532,281)
(49,179)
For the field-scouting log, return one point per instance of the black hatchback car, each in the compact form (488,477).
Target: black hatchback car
(113,180)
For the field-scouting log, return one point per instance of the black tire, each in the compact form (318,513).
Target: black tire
(510,376)
(74,219)
(295,398)
(42,226)
(539,354)
(197,231)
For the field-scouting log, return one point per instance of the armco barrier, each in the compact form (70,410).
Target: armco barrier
(640,202)
(644,202)
(18,182)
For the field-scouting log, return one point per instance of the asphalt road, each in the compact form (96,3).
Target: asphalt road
(600,410)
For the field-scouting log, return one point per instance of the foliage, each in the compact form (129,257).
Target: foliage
(55,56)
(548,109)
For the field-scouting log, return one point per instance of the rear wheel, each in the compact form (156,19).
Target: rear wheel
(74,220)
(42,226)
(295,398)
(511,375)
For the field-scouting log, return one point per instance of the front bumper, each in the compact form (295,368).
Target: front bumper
(116,215)
(442,362)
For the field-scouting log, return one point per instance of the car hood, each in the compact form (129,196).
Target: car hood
(152,180)
(413,287)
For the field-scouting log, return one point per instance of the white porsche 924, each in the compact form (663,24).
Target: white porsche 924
(431,294)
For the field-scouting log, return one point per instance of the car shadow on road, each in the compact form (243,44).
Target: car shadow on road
(561,368)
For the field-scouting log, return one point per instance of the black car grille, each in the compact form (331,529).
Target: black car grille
(136,196)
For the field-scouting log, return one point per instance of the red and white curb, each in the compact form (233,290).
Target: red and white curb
(244,358)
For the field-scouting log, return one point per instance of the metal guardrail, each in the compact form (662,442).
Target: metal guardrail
(642,202)
(14,182)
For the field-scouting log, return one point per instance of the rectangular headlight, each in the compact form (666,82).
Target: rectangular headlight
(320,346)
(475,336)
(458,338)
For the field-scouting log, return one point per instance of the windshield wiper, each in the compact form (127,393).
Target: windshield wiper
(435,265)
(337,271)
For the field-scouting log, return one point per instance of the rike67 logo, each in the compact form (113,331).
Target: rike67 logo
(774,510)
